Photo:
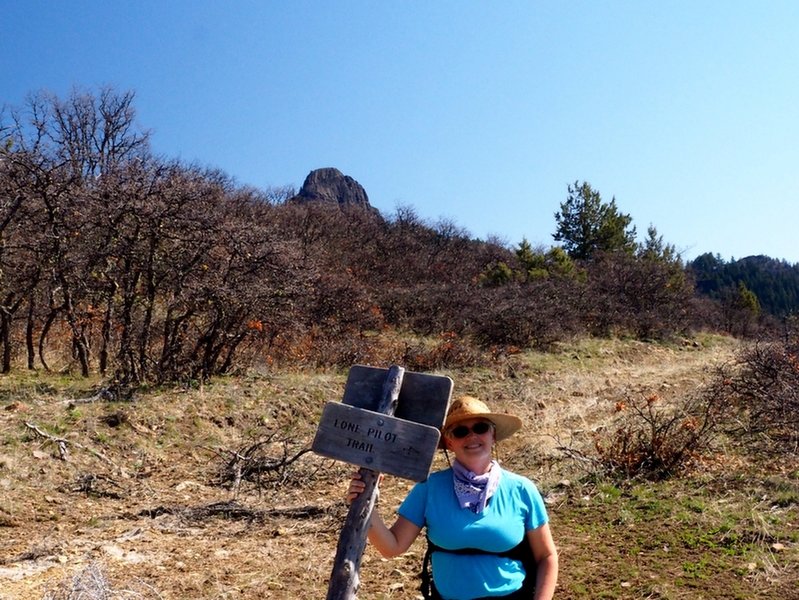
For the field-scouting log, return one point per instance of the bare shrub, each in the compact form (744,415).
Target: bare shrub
(428,308)
(536,314)
(450,351)
(629,295)
(92,584)
(318,348)
(655,441)
(268,463)
(764,386)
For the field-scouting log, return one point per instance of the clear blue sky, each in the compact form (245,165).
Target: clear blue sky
(687,112)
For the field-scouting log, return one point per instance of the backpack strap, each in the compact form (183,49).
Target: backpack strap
(426,586)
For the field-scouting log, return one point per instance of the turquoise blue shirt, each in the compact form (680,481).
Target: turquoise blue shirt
(515,508)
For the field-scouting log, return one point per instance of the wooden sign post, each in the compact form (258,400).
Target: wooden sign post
(388,422)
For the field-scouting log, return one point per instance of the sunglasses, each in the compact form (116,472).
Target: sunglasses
(461,431)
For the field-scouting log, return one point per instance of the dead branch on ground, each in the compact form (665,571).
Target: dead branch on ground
(35,553)
(61,443)
(96,486)
(590,463)
(108,393)
(256,465)
(235,511)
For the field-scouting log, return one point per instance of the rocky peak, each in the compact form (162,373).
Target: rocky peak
(331,186)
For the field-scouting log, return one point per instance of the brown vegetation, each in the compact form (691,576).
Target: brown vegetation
(208,493)
(145,270)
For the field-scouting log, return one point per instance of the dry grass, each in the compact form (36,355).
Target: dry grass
(136,505)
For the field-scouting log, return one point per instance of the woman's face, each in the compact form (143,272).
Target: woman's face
(471,446)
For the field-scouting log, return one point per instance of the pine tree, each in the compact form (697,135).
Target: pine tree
(587,225)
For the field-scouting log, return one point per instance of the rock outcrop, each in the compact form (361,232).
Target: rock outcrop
(331,186)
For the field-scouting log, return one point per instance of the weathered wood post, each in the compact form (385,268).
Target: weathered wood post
(388,422)
(345,578)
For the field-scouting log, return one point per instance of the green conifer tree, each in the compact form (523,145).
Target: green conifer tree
(587,225)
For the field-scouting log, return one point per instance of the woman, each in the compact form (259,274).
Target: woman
(475,513)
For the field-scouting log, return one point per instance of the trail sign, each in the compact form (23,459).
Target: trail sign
(403,444)
(377,441)
(389,420)
(423,398)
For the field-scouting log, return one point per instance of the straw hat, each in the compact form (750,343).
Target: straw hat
(469,407)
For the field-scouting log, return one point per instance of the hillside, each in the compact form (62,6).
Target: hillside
(145,269)
(774,282)
(139,499)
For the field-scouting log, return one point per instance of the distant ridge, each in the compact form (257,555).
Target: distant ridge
(775,282)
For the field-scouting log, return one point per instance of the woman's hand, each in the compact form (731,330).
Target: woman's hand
(357,486)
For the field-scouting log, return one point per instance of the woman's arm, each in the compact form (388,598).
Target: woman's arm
(389,541)
(546,557)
